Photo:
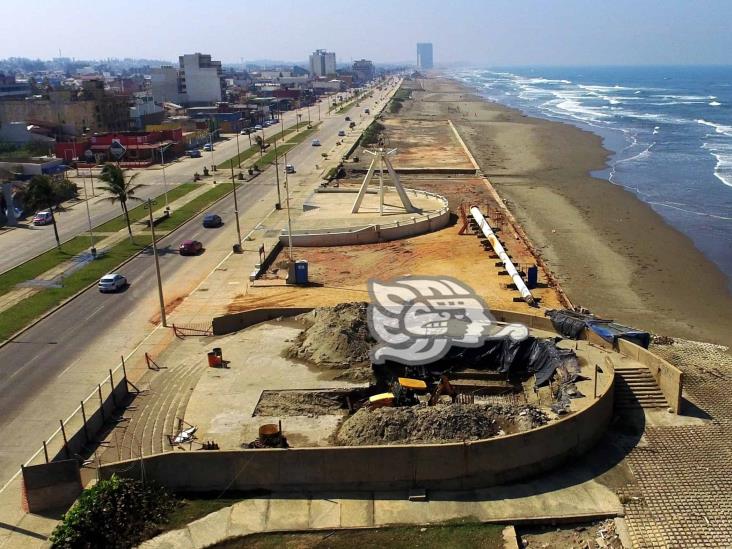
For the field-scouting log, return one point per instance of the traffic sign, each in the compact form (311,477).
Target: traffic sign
(117,149)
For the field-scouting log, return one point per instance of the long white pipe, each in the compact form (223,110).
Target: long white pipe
(507,263)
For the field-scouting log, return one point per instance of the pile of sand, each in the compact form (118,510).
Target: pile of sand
(435,424)
(299,403)
(335,337)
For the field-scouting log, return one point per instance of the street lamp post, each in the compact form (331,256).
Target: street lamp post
(308,114)
(165,181)
(289,219)
(236,206)
(261,147)
(318,112)
(163,319)
(278,206)
(93,250)
(238,154)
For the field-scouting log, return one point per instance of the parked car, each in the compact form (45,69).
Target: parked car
(208,147)
(112,282)
(258,127)
(212,220)
(289,168)
(367,111)
(316,143)
(43,218)
(190,247)
(341,133)
(194,153)
(348,118)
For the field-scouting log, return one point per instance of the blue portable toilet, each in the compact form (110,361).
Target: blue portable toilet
(532,277)
(301,271)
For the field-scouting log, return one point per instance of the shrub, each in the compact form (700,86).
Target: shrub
(116,513)
(64,189)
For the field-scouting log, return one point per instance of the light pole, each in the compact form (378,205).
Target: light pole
(88,217)
(163,320)
(236,206)
(318,112)
(278,206)
(282,125)
(165,181)
(289,219)
(261,148)
(308,114)
(238,154)
(210,142)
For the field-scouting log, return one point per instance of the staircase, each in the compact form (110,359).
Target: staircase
(636,388)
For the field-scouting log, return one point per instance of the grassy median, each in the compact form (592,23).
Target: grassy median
(254,149)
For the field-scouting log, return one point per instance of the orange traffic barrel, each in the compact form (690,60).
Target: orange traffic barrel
(214,361)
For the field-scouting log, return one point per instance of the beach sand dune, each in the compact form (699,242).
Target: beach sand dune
(611,252)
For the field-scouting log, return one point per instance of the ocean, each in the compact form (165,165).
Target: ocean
(669,130)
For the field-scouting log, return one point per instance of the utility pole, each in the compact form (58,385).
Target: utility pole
(308,114)
(318,112)
(236,205)
(163,320)
(165,181)
(211,142)
(289,219)
(88,217)
(261,148)
(238,154)
(278,206)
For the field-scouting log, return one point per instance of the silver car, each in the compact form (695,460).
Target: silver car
(112,282)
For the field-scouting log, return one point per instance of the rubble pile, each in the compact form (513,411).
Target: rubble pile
(335,337)
(298,403)
(435,424)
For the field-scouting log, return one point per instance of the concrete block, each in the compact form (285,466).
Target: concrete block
(357,513)
(289,514)
(248,516)
(325,513)
(177,539)
(210,529)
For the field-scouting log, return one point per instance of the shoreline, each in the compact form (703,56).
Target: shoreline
(611,252)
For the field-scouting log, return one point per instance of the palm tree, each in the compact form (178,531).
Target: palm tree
(40,195)
(121,189)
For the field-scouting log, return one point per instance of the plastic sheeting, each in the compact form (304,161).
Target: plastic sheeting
(570,324)
(531,356)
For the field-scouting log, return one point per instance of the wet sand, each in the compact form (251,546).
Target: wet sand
(611,252)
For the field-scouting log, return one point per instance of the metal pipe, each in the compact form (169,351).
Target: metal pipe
(501,253)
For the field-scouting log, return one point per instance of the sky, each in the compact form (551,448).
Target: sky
(476,32)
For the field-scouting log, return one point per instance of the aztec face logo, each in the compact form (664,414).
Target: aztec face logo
(416,320)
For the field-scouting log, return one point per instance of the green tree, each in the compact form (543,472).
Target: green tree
(39,195)
(121,189)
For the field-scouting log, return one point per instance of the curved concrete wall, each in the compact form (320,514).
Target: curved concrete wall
(371,234)
(471,464)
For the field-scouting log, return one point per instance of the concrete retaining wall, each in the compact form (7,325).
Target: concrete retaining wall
(238,321)
(54,485)
(466,465)
(668,377)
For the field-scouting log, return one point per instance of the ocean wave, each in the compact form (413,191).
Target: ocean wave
(714,103)
(685,210)
(719,128)
(655,129)
(722,152)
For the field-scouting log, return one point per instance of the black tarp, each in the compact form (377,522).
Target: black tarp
(570,324)
(531,356)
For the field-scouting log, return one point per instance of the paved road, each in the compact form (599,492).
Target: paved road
(45,372)
(27,241)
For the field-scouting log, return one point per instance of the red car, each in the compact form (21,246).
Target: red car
(190,247)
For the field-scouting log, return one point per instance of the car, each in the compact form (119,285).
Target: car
(289,168)
(257,127)
(212,220)
(316,143)
(190,247)
(43,218)
(367,111)
(244,132)
(112,282)
(341,133)
(208,147)
(348,118)
(194,153)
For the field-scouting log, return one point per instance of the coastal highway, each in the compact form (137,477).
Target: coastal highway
(48,369)
(26,241)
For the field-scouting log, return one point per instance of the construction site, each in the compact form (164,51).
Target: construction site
(267,380)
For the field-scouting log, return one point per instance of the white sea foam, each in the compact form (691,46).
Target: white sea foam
(714,103)
(655,130)
(719,128)
(722,152)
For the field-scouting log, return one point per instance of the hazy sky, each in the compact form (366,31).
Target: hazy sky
(486,32)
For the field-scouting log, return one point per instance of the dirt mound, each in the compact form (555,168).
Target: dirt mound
(435,424)
(335,337)
(299,403)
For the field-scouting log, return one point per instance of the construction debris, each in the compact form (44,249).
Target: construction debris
(435,424)
(300,403)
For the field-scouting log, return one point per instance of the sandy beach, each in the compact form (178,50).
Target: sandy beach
(611,252)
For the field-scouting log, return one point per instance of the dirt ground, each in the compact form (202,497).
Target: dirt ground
(582,536)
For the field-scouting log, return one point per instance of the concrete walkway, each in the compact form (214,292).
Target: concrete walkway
(529,501)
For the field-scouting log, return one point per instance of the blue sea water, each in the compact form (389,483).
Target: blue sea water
(669,130)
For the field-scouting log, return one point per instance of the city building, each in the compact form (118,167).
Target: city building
(11,89)
(197,80)
(363,70)
(201,79)
(144,111)
(322,63)
(424,55)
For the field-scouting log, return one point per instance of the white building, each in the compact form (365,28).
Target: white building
(322,63)
(198,80)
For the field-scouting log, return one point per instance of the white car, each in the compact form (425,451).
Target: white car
(112,282)
(316,143)
(289,168)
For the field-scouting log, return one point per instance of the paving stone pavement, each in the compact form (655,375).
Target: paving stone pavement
(682,494)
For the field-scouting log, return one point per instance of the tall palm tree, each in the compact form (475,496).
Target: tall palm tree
(121,189)
(40,195)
